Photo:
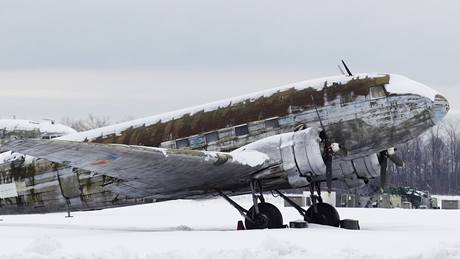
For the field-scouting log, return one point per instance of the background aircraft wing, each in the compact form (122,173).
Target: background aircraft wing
(153,170)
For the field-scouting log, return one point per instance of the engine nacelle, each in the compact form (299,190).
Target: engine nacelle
(368,166)
(299,154)
(303,148)
(355,171)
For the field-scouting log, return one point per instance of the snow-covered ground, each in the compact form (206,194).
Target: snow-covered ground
(206,229)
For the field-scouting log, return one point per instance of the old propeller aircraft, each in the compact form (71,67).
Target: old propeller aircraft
(340,128)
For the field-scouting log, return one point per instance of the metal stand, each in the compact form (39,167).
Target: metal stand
(68,209)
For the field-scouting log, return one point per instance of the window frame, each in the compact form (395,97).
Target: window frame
(382,87)
(246,131)
(209,134)
(276,122)
(180,140)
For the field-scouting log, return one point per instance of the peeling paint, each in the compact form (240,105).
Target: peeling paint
(279,104)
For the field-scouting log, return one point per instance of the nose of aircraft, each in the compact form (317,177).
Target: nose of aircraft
(440,108)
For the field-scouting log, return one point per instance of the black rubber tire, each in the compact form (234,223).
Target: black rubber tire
(269,217)
(327,215)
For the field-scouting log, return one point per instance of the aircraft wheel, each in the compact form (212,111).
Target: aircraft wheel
(326,215)
(269,217)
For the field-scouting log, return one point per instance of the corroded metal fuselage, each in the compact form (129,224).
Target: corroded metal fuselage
(360,121)
(364,114)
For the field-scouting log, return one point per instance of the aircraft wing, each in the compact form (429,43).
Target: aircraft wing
(153,170)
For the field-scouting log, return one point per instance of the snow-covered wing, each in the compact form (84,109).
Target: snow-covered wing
(154,170)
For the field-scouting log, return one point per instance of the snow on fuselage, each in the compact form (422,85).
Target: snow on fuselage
(361,112)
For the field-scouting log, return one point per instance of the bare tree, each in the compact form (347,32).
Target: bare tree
(432,161)
(92,122)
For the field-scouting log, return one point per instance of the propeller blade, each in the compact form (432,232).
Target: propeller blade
(328,162)
(396,160)
(328,150)
(346,68)
(383,161)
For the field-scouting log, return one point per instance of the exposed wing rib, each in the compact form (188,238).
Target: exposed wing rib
(155,170)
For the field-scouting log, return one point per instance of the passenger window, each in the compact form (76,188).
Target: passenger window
(272,123)
(181,143)
(377,92)
(226,133)
(196,141)
(212,137)
(241,130)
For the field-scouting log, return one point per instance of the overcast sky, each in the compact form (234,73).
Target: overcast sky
(139,58)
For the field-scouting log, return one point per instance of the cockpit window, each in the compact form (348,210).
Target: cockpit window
(377,92)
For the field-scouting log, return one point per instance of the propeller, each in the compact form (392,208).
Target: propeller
(327,157)
(328,148)
(383,161)
(396,160)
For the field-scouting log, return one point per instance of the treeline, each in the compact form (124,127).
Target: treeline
(432,161)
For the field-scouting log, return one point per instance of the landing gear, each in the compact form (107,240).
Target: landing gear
(260,215)
(323,214)
(265,215)
(268,217)
(319,212)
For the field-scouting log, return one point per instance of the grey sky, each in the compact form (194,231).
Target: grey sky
(119,58)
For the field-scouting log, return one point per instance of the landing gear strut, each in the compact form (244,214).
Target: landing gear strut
(260,215)
(319,212)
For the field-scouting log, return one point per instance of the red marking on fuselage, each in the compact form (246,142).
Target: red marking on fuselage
(101,162)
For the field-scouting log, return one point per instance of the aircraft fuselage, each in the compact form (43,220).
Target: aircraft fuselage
(358,112)
(364,114)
